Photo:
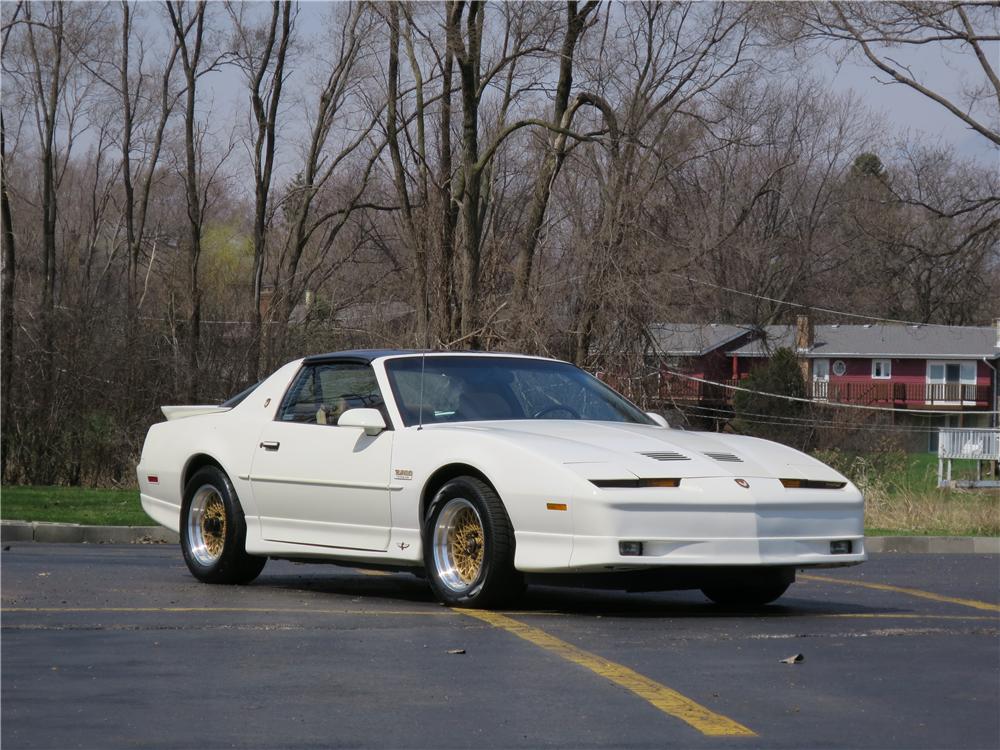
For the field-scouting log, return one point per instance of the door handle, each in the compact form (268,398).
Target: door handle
(270,445)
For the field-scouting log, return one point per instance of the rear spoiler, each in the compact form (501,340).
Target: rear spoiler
(180,412)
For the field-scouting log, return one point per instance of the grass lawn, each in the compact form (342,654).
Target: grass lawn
(72,505)
(903,499)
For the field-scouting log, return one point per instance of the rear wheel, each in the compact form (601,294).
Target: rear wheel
(469,546)
(214,531)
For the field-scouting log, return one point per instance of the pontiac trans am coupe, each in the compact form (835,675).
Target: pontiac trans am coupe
(481,471)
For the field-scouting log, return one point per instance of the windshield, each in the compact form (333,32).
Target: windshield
(471,389)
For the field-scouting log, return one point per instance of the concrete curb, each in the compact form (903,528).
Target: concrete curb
(40,531)
(939,545)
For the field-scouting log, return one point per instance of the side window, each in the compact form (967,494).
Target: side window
(321,393)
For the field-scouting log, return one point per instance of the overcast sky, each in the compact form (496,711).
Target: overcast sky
(907,109)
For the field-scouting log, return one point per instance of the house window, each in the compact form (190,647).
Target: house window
(840,368)
(881,369)
(821,369)
(951,382)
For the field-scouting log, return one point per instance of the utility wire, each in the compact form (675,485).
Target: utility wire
(837,404)
(805,421)
(842,313)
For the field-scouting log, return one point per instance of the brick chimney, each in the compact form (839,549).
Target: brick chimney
(804,335)
(266,295)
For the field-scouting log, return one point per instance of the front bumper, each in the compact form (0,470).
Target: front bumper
(708,522)
(601,553)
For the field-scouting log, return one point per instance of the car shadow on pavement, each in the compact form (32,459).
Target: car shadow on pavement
(680,604)
(400,586)
(405,587)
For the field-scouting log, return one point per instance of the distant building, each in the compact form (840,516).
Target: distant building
(909,367)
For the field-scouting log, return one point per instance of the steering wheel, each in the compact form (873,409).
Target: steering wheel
(556,407)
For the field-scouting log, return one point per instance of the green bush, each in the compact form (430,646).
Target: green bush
(771,416)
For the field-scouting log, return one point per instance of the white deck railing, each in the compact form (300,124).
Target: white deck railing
(974,444)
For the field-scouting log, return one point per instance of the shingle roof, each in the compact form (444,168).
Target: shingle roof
(693,339)
(882,340)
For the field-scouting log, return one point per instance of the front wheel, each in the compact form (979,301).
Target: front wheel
(747,594)
(469,546)
(214,531)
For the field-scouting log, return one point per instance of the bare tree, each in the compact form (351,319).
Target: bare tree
(7,291)
(138,173)
(261,55)
(879,30)
(674,55)
(310,219)
(577,20)
(189,35)
(49,74)
(411,232)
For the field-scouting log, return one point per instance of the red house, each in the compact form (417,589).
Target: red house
(907,367)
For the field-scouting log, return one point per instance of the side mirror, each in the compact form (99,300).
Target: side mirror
(370,420)
(658,418)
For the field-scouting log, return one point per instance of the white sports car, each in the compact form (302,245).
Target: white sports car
(481,471)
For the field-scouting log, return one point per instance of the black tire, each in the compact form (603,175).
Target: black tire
(214,531)
(469,546)
(746,593)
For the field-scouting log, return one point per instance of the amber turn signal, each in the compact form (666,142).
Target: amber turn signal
(633,483)
(812,484)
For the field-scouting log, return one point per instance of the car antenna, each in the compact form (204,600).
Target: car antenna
(423,363)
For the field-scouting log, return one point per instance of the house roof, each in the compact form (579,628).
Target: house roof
(694,339)
(889,340)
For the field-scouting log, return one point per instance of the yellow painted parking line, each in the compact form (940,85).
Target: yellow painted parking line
(370,572)
(973,603)
(665,699)
(225,610)
(892,616)
(444,612)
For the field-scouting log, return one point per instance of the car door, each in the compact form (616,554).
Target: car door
(315,482)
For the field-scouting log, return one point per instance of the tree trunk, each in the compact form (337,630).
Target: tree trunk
(575,24)
(7,309)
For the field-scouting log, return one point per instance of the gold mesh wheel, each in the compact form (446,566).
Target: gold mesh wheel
(459,544)
(207,525)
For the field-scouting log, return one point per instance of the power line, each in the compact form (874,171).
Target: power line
(807,422)
(837,404)
(843,313)
(915,431)
(808,307)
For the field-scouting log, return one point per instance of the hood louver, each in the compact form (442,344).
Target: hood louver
(728,457)
(666,456)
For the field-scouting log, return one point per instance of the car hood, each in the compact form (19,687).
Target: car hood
(649,451)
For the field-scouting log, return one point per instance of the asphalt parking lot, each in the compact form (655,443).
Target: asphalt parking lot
(117,646)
